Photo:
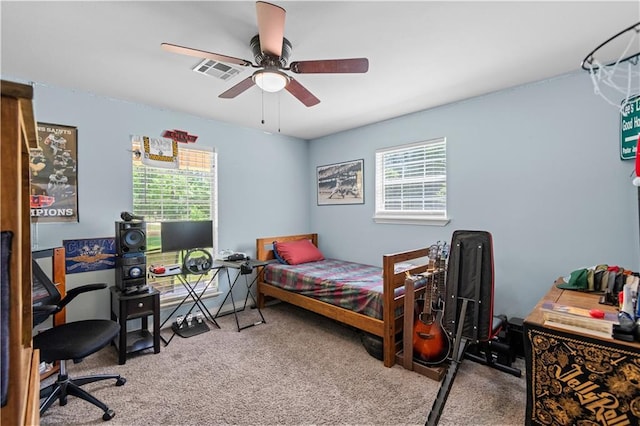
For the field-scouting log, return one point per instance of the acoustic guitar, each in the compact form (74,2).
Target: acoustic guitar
(431,343)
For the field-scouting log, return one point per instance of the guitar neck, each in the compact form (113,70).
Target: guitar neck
(442,269)
(431,285)
(441,266)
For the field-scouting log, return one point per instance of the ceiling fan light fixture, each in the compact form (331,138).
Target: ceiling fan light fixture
(270,80)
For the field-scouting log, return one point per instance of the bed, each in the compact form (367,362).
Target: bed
(379,315)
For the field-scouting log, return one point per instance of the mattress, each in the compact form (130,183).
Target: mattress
(350,285)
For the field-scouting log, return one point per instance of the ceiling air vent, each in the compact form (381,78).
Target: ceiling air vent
(217,69)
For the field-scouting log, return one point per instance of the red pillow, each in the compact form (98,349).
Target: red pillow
(299,251)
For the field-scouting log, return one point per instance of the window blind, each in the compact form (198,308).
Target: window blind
(188,192)
(411,182)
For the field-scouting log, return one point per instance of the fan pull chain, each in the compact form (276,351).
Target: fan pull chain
(279,96)
(262,121)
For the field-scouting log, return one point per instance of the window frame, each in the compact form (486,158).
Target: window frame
(172,290)
(407,216)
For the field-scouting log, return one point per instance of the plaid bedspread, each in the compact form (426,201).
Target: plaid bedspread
(353,286)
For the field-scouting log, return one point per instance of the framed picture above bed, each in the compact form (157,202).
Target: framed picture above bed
(341,183)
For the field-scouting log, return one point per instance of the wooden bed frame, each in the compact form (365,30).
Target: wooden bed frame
(387,328)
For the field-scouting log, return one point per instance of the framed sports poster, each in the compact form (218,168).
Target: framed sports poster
(54,174)
(341,183)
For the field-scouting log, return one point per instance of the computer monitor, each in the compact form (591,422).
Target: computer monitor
(186,235)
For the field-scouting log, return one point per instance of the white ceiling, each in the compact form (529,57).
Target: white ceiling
(421,53)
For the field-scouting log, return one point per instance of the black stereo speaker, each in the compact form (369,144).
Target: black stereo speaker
(138,285)
(131,272)
(131,237)
(132,266)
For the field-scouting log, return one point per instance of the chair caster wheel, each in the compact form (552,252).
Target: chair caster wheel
(121,381)
(108,415)
(63,401)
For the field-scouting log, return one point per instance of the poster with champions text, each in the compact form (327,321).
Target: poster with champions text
(53,166)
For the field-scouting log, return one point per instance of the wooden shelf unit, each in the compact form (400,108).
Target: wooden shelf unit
(19,133)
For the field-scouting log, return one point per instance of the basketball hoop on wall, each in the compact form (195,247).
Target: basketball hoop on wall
(614,69)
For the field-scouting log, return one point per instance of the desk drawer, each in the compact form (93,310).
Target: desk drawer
(138,307)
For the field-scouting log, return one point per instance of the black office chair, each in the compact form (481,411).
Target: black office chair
(70,341)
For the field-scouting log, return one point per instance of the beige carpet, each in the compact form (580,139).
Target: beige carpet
(297,369)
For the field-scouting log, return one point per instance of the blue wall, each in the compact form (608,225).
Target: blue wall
(261,192)
(538,166)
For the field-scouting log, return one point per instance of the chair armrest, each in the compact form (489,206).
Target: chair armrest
(42,312)
(44,309)
(71,294)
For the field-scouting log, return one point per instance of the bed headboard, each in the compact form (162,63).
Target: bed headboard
(264,246)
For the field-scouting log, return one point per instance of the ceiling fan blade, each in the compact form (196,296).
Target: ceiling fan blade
(354,65)
(238,88)
(301,93)
(270,27)
(204,54)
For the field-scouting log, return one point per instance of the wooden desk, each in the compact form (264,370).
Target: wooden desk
(575,378)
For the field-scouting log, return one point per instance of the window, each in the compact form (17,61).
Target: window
(411,184)
(186,193)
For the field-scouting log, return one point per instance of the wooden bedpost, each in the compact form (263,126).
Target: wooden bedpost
(388,312)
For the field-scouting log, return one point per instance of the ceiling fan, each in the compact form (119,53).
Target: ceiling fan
(271,52)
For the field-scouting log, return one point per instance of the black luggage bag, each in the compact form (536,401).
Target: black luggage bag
(469,303)
(470,277)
